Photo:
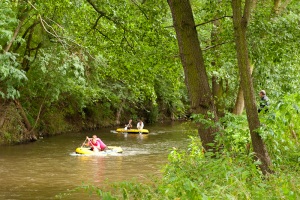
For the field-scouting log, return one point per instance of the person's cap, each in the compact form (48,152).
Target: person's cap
(263,92)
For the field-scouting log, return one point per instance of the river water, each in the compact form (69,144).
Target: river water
(49,167)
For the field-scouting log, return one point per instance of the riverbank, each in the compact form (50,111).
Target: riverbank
(13,129)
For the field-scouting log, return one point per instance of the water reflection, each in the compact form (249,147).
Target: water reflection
(139,137)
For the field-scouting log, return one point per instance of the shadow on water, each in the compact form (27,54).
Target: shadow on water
(49,166)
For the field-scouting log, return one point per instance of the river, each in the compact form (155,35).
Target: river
(49,167)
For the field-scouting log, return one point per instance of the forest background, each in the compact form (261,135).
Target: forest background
(73,65)
(69,65)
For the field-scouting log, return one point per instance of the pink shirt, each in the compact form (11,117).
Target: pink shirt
(99,144)
(102,145)
(96,144)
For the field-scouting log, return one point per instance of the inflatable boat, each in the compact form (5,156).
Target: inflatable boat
(88,151)
(143,131)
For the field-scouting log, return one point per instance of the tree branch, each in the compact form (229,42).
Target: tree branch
(25,33)
(210,47)
(96,23)
(124,38)
(54,34)
(210,21)
(96,9)
(21,21)
(143,12)
(104,14)
(104,35)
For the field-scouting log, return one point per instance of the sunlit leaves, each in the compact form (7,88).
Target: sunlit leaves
(10,76)
(7,21)
(274,42)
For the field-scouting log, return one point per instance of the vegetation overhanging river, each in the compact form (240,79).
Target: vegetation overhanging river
(49,166)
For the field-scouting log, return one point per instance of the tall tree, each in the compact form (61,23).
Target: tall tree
(192,60)
(240,22)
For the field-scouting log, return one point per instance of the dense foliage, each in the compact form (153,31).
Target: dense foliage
(97,65)
(88,63)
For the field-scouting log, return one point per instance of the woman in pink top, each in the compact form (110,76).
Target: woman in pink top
(96,143)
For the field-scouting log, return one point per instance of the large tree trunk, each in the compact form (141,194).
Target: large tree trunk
(240,22)
(193,64)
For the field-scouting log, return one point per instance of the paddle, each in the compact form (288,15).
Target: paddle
(83,142)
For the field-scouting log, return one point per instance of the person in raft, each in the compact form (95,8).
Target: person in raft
(96,143)
(129,125)
(140,125)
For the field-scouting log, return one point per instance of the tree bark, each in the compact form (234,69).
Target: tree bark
(3,107)
(23,114)
(16,32)
(280,6)
(276,7)
(192,60)
(240,22)
(217,82)
(218,94)
(240,102)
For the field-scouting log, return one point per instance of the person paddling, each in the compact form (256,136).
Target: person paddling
(96,143)
(140,125)
(129,125)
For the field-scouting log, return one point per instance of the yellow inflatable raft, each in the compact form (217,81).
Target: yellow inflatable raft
(143,131)
(88,151)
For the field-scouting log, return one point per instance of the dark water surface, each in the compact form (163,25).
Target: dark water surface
(48,167)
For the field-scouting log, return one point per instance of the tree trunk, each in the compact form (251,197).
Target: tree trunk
(17,30)
(3,107)
(218,94)
(119,111)
(279,6)
(217,82)
(240,22)
(276,7)
(196,78)
(23,114)
(240,102)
